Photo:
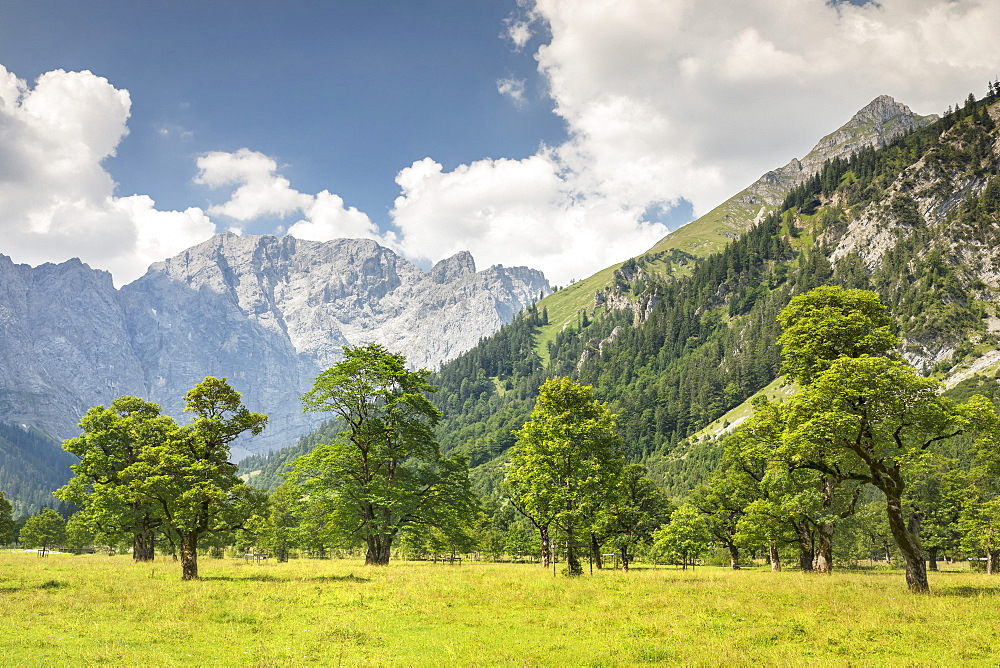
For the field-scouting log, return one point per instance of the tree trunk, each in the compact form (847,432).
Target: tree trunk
(625,558)
(932,558)
(573,566)
(143,546)
(991,562)
(189,555)
(595,552)
(379,550)
(824,551)
(734,556)
(909,545)
(543,530)
(806,553)
(772,550)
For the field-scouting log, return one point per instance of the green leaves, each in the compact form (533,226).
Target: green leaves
(567,460)
(140,472)
(385,472)
(6,520)
(829,322)
(43,530)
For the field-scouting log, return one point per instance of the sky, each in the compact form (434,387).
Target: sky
(564,135)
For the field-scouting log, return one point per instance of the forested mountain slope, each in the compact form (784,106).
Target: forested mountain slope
(673,340)
(917,220)
(31,466)
(876,124)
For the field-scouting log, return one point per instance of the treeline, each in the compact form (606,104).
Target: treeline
(268,471)
(31,467)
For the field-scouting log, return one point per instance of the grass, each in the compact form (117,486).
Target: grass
(777,390)
(78,610)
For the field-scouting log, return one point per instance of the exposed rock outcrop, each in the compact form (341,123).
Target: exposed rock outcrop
(266,312)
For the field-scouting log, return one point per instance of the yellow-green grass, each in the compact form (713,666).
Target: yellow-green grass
(710,233)
(97,610)
(778,389)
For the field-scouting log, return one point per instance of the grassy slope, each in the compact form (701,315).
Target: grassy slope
(98,610)
(700,238)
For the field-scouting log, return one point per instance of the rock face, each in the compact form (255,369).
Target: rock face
(879,122)
(266,312)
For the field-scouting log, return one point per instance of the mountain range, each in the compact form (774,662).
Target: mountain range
(676,339)
(679,339)
(268,313)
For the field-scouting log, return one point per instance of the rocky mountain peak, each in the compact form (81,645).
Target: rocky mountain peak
(455,267)
(877,123)
(880,110)
(268,313)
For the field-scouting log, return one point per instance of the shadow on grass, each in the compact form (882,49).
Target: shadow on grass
(965,591)
(264,577)
(350,577)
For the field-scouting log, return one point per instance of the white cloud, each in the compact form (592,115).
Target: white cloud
(663,100)
(515,212)
(56,199)
(327,218)
(261,191)
(512,88)
(691,99)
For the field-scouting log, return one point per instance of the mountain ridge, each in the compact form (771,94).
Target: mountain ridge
(266,312)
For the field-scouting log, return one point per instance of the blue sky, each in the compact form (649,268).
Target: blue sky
(344,93)
(560,134)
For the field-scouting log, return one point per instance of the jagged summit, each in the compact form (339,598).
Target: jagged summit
(875,124)
(455,267)
(879,111)
(267,312)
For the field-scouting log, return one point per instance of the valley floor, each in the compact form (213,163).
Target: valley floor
(94,609)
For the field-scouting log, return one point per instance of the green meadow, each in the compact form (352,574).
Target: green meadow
(94,609)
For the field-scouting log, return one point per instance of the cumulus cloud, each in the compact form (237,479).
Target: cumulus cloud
(56,199)
(683,100)
(664,101)
(326,217)
(515,212)
(261,191)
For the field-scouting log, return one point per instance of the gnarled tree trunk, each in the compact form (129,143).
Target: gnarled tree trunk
(772,553)
(143,546)
(824,551)
(595,552)
(379,550)
(909,545)
(806,552)
(189,555)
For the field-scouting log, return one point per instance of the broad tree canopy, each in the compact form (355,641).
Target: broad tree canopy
(567,458)
(385,471)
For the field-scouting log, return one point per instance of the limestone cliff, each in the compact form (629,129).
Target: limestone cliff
(266,312)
